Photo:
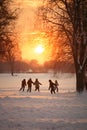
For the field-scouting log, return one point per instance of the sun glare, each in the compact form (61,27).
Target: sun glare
(39,49)
(36,48)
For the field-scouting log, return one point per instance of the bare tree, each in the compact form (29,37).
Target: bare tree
(70,18)
(8,16)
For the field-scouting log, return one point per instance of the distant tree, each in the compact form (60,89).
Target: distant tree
(34,65)
(12,53)
(8,16)
(70,18)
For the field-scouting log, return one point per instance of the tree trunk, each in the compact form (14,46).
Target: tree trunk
(80,83)
(12,69)
(11,64)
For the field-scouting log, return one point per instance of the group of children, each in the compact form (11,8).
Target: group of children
(29,83)
(53,86)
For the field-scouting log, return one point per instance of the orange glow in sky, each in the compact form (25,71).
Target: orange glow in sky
(33,45)
(36,48)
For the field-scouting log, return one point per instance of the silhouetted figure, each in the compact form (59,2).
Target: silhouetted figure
(29,83)
(37,85)
(23,84)
(51,86)
(56,85)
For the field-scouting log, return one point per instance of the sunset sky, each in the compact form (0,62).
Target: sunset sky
(30,31)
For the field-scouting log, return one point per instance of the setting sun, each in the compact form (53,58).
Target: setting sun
(39,49)
(36,48)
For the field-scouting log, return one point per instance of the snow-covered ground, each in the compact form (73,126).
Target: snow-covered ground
(65,110)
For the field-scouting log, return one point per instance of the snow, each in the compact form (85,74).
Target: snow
(65,110)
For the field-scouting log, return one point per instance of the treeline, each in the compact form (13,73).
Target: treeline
(34,67)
